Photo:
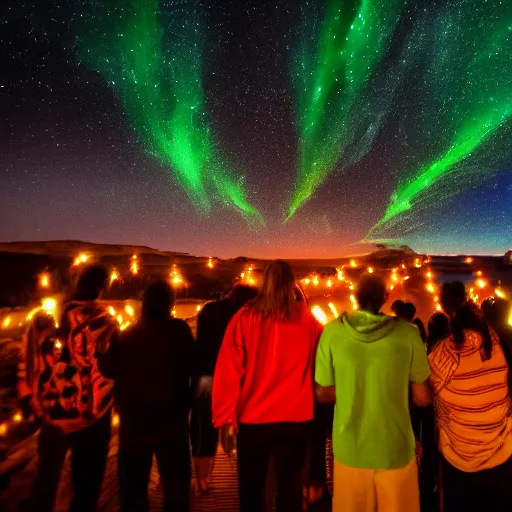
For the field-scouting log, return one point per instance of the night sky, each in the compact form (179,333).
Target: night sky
(262,128)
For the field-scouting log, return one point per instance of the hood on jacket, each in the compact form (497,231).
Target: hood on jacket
(368,327)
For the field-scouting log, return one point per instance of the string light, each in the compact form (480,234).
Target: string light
(44,281)
(80,259)
(319,314)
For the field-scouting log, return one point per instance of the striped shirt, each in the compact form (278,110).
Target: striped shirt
(472,403)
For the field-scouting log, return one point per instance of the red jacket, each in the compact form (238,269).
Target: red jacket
(264,372)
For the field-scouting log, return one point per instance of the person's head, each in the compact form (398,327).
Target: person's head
(496,311)
(371,293)
(404,310)
(158,301)
(241,294)
(453,297)
(91,283)
(277,295)
(464,315)
(438,329)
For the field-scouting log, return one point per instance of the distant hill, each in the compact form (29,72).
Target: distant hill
(69,248)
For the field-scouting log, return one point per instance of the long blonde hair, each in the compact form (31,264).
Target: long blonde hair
(277,298)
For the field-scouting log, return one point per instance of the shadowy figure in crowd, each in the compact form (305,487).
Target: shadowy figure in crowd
(472,403)
(407,311)
(366,362)
(60,382)
(212,323)
(497,311)
(263,388)
(438,329)
(152,365)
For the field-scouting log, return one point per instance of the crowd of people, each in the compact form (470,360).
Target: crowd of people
(266,373)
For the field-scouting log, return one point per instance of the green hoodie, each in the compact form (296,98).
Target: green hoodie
(371,359)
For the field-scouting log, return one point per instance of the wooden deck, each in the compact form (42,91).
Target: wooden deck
(223,498)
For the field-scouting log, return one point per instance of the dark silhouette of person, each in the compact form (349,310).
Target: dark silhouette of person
(152,365)
(438,329)
(212,323)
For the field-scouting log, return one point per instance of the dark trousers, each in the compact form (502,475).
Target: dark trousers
(89,451)
(489,489)
(204,437)
(173,460)
(287,445)
(321,429)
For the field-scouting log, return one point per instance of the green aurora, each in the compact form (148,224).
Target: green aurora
(331,69)
(468,92)
(157,75)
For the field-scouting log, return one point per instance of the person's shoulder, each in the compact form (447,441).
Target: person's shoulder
(333,328)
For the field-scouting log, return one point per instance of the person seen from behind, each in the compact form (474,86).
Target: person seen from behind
(407,311)
(366,362)
(472,403)
(60,382)
(438,329)
(152,365)
(263,387)
(212,323)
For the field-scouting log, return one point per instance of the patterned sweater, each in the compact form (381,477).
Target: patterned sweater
(472,403)
(58,367)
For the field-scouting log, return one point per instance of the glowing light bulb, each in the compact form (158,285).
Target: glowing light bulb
(80,259)
(499,293)
(306,281)
(353,263)
(392,287)
(44,281)
(6,322)
(114,276)
(315,281)
(329,283)
(429,275)
(370,270)
(49,305)
(125,325)
(468,260)
(430,288)
(478,273)
(120,319)
(210,263)
(333,309)
(115,420)
(3,429)
(112,311)
(481,283)
(17,418)
(319,314)
(198,308)
(129,310)
(58,345)
(438,307)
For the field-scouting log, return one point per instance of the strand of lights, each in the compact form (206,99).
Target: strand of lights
(134,265)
